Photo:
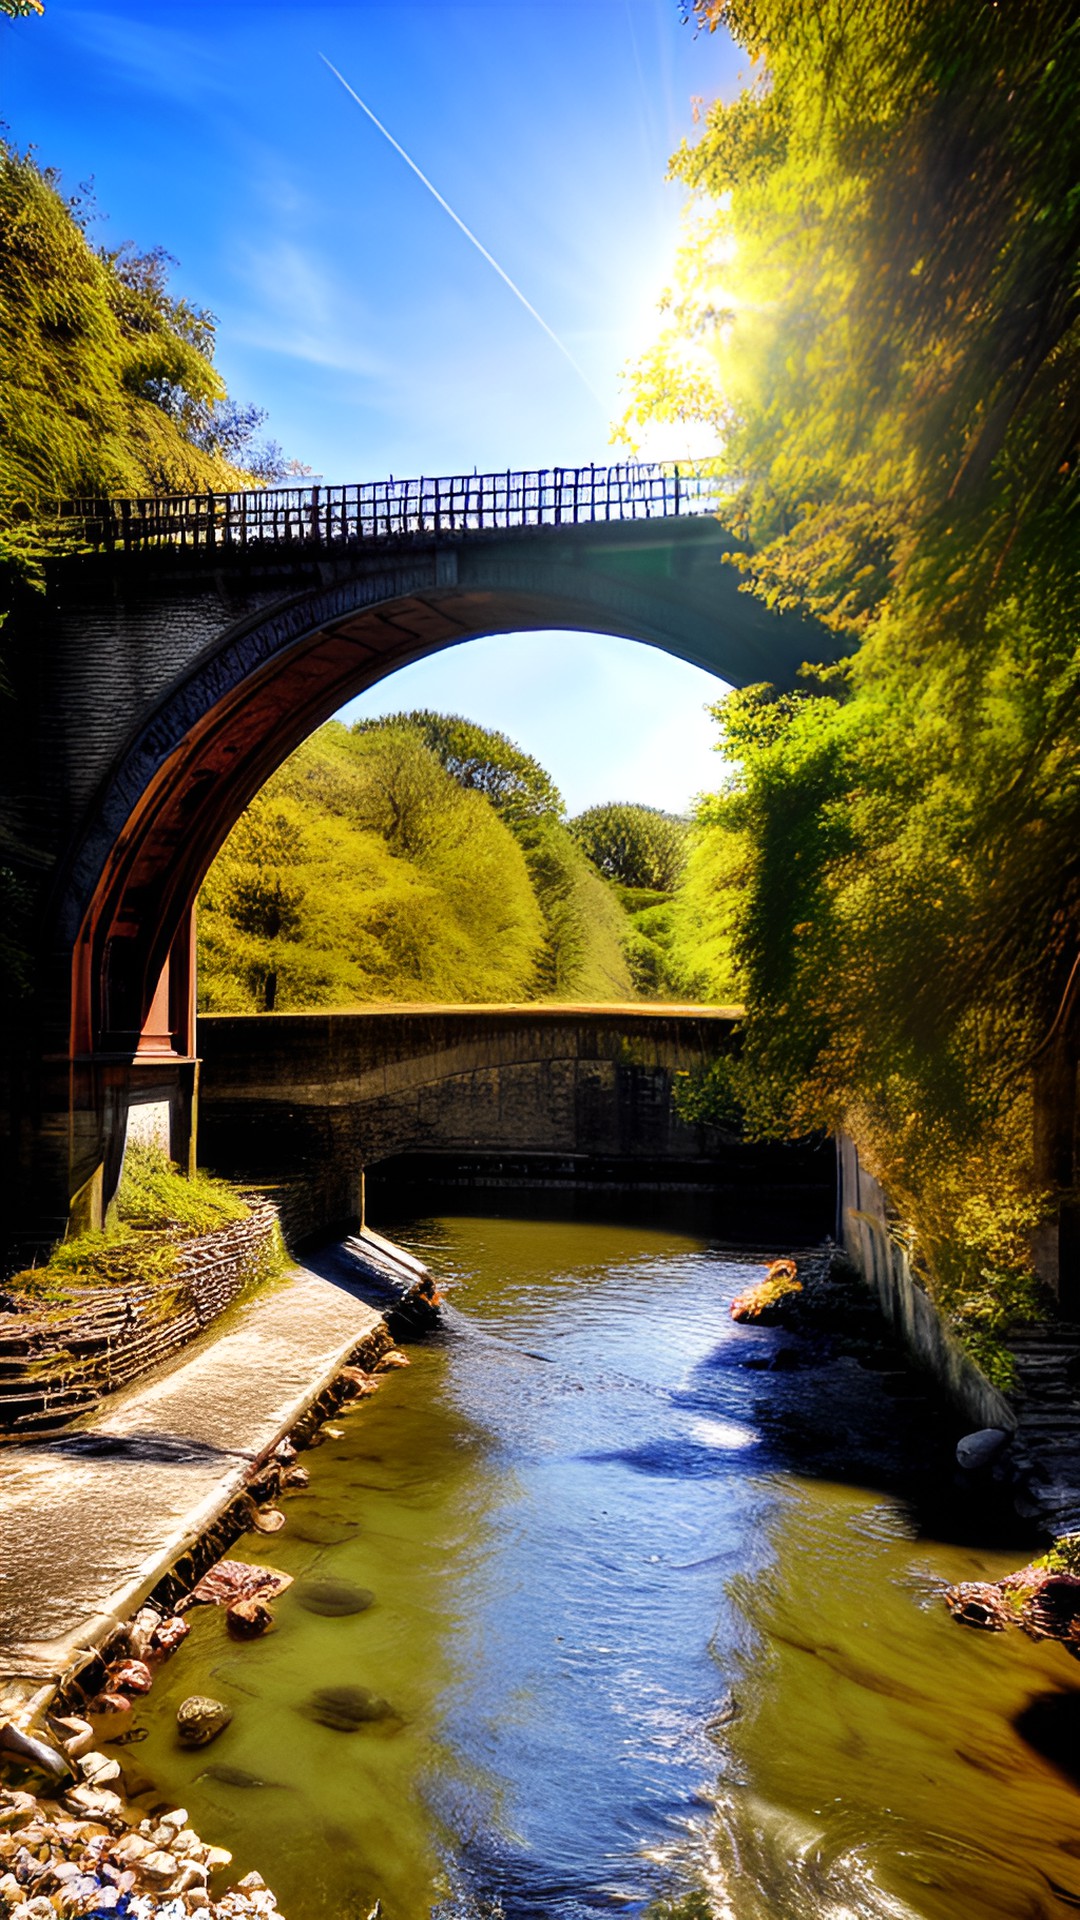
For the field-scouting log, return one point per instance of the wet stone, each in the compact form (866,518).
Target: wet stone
(334,1598)
(321,1531)
(199,1719)
(235,1777)
(346,1709)
(247,1619)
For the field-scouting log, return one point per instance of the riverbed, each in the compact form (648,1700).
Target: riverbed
(650,1605)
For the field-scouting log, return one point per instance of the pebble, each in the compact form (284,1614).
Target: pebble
(977,1450)
(167,1636)
(347,1708)
(199,1719)
(333,1598)
(246,1619)
(131,1676)
(77,1736)
(98,1770)
(95,1802)
(267,1519)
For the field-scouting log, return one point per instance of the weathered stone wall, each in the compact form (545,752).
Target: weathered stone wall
(56,1363)
(870,1234)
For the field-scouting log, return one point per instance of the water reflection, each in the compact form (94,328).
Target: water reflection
(654,1623)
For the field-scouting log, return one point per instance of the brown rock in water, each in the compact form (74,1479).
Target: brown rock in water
(237,1580)
(334,1598)
(295,1478)
(247,1619)
(395,1358)
(978,1603)
(131,1676)
(765,1302)
(267,1519)
(348,1708)
(199,1719)
(1052,1611)
(167,1636)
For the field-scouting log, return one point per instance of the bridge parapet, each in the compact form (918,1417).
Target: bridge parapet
(336,516)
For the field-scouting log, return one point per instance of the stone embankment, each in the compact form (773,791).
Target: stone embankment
(57,1362)
(73,1844)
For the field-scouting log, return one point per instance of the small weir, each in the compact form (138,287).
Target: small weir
(607,1605)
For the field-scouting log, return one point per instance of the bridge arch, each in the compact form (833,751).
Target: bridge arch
(203,655)
(262,685)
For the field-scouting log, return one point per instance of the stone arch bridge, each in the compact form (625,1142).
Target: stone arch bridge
(183,648)
(434,1100)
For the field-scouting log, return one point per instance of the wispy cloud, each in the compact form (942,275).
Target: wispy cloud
(157,59)
(300,311)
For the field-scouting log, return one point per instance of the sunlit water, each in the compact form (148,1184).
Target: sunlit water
(654,1626)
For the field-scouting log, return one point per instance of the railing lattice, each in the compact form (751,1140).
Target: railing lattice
(392,510)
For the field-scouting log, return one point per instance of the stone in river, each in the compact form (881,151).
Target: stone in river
(347,1708)
(979,1449)
(131,1676)
(334,1597)
(267,1519)
(199,1719)
(320,1530)
(235,1777)
(167,1636)
(246,1619)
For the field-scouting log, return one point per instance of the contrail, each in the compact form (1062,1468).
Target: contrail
(467,231)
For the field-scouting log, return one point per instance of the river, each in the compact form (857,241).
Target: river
(656,1622)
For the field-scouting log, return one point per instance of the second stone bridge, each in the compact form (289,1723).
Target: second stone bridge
(466,1097)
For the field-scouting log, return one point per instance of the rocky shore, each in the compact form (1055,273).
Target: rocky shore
(81,1835)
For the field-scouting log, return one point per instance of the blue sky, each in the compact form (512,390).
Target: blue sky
(352,308)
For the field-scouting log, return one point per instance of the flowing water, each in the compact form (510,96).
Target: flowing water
(636,1620)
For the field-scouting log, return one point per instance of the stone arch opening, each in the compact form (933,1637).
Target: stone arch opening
(224,664)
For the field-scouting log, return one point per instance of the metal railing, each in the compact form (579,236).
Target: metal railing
(392,509)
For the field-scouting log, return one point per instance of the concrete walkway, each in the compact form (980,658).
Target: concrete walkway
(91,1518)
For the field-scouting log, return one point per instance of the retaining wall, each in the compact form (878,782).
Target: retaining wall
(869,1230)
(56,1362)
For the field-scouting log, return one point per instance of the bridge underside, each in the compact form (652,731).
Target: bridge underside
(156,692)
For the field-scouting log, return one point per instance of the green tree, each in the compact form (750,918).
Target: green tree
(364,872)
(584,955)
(109,384)
(640,847)
(479,758)
(877,310)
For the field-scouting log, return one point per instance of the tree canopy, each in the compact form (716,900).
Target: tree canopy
(481,759)
(364,870)
(109,384)
(877,312)
(636,845)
